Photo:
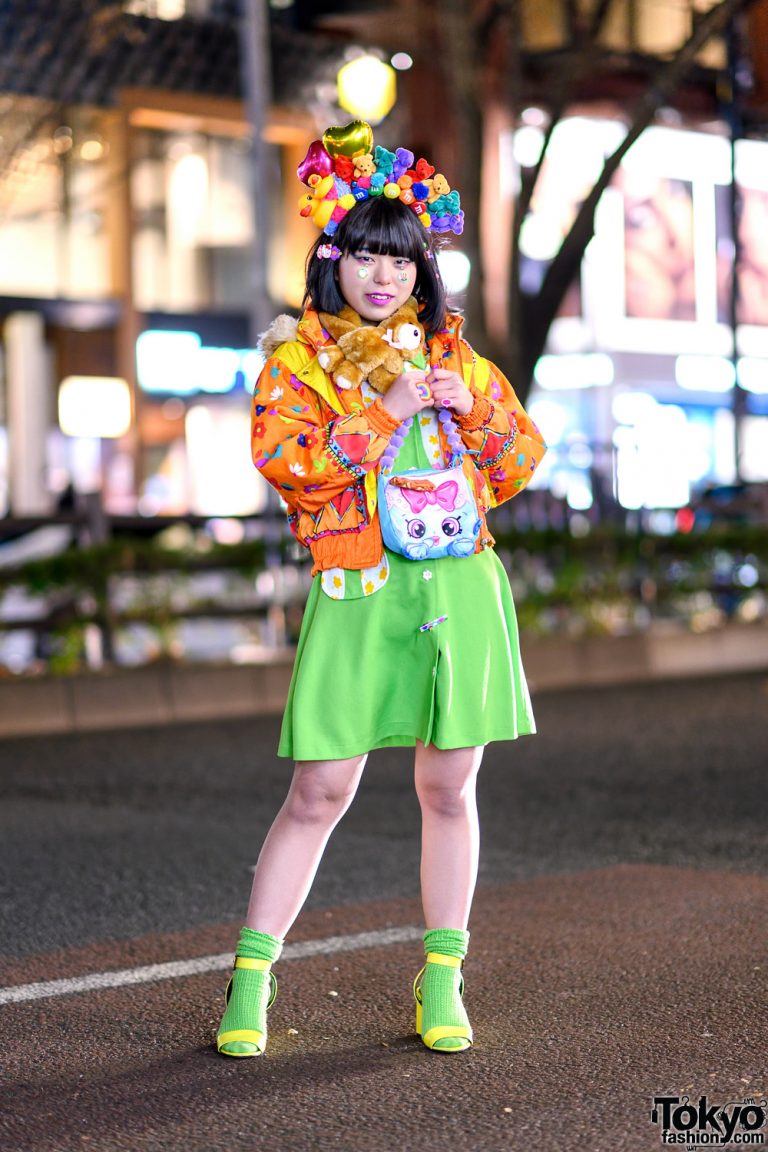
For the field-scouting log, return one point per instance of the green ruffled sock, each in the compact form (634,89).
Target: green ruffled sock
(441,987)
(243,1028)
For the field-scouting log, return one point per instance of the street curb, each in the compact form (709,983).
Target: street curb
(168,694)
(654,655)
(158,694)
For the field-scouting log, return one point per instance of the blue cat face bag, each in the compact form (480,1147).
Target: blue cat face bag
(428,513)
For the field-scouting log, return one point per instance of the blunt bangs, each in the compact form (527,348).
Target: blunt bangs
(382,226)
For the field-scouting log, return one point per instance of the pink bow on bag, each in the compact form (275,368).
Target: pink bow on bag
(445,495)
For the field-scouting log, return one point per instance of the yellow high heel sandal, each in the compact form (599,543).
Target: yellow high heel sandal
(246,1041)
(460,1033)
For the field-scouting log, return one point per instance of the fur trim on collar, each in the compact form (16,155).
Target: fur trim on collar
(282,329)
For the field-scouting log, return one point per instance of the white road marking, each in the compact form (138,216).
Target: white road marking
(177,969)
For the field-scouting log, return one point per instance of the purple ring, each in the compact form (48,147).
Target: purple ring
(447,403)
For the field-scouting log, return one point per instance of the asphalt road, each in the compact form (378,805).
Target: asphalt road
(618,938)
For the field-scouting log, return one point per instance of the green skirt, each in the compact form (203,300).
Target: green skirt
(366,676)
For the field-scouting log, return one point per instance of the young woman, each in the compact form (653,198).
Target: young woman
(413,648)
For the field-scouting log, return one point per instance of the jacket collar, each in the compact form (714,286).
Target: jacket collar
(446,339)
(311,331)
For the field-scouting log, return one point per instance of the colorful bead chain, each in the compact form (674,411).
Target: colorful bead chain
(453,436)
(396,441)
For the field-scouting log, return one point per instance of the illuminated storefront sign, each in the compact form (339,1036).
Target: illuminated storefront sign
(179,364)
(640,363)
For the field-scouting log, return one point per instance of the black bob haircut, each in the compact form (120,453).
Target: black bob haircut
(380,225)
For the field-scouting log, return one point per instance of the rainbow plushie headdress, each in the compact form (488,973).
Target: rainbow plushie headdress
(344,168)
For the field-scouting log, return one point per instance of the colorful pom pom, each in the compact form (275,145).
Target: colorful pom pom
(344,168)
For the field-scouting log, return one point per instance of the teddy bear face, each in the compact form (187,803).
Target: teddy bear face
(377,354)
(364,166)
(404,337)
(440,187)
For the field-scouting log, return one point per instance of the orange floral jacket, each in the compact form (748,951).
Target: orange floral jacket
(319,446)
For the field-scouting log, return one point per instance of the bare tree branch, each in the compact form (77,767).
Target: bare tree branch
(539,311)
(574,67)
(598,18)
(465,67)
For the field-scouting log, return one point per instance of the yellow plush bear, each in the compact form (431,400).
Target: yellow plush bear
(361,352)
(364,165)
(439,186)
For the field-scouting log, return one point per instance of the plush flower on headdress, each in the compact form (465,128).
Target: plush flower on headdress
(344,168)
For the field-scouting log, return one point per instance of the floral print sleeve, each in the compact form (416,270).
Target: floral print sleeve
(307,456)
(501,438)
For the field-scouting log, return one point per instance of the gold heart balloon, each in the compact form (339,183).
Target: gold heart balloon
(353,139)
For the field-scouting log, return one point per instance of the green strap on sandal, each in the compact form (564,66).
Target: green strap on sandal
(441,1019)
(250,993)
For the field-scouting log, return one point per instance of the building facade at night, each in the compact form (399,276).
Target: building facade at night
(127,238)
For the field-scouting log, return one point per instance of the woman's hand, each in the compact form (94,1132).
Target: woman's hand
(403,397)
(449,391)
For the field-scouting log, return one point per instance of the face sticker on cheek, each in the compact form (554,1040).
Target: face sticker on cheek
(403,277)
(362,273)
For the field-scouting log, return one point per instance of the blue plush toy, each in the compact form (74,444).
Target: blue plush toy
(384,161)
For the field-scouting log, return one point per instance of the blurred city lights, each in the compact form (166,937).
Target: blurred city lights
(167,361)
(402,61)
(94,406)
(551,417)
(590,370)
(705,373)
(173,408)
(747,575)
(535,116)
(91,150)
(653,465)
(541,235)
(754,449)
(578,494)
(178,363)
(527,146)
(188,190)
(455,269)
(367,88)
(159,9)
(753,374)
(62,140)
(222,480)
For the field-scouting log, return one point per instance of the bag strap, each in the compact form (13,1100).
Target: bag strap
(397,439)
